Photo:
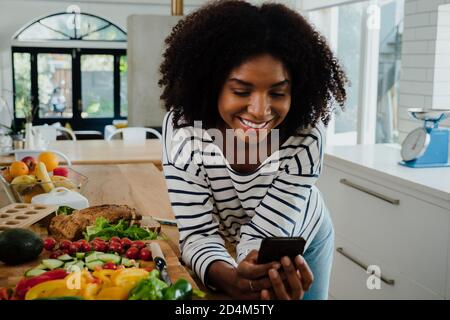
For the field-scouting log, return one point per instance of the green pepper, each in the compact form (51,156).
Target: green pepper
(181,290)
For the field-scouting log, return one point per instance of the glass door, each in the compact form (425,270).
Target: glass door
(97,86)
(54,71)
(85,88)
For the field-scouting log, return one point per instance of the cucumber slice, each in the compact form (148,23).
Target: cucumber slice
(80,255)
(73,266)
(91,257)
(65,257)
(109,257)
(40,266)
(68,264)
(34,272)
(79,264)
(126,262)
(92,264)
(52,263)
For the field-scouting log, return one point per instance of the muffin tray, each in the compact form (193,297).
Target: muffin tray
(23,215)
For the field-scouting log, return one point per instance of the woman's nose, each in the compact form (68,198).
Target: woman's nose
(259,107)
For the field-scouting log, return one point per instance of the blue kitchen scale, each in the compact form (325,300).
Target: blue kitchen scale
(427,146)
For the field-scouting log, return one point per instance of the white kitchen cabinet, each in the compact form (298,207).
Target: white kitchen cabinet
(386,215)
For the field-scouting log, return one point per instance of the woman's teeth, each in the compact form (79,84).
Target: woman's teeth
(253,124)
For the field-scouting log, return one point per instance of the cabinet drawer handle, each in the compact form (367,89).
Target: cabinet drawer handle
(390,282)
(368,191)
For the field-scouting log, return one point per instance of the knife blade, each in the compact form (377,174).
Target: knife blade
(160,262)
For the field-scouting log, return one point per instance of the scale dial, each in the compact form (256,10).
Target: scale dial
(415,144)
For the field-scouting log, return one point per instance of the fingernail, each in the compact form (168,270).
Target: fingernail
(300,259)
(276,266)
(286,261)
(273,273)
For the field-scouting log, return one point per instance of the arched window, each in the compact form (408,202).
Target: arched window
(71,26)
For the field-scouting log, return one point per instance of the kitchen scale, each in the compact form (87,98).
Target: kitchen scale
(427,146)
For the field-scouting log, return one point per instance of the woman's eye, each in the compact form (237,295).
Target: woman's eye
(241,93)
(277,94)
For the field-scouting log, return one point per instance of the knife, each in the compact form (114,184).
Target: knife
(160,262)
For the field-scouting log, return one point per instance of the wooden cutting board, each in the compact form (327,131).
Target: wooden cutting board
(11,275)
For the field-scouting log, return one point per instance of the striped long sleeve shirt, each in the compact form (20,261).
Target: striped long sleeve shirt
(213,202)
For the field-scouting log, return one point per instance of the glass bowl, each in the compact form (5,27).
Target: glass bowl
(23,192)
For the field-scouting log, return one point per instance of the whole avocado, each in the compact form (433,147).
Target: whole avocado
(19,245)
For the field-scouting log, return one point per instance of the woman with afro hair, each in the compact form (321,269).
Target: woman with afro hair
(249,91)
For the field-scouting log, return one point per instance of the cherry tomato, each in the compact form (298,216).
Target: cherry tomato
(138,244)
(115,247)
(114,239)
(98,239)
(110,265)
(49,244)
(132,253)
(145,254)
(73,248)
(65,244)
(99,246)
(126,243)
(55,254)
(85,247)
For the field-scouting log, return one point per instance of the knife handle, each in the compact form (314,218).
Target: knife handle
(156,251)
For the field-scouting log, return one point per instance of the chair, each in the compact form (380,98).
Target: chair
(22,153)
(50,133)
(134,134)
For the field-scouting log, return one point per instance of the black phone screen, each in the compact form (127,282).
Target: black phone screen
(273,249)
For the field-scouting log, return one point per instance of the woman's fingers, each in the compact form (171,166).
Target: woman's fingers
(292,278)
(306,274)
(278,286)
(265,295)
(250,270)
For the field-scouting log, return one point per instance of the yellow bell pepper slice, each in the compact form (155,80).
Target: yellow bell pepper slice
(45,289)
(128,278)
(90,291)
(64,292)
(113,293)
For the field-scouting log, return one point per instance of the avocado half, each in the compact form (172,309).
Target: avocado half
(19,245)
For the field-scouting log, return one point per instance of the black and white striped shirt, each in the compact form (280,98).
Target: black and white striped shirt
(210,200)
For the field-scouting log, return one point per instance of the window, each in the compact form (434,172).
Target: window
(71,26)
(85,87)
(391,30)
(370,55)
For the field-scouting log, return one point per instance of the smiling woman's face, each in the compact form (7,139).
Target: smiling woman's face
(256,96)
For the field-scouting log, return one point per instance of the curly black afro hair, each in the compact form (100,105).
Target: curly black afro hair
(207,44)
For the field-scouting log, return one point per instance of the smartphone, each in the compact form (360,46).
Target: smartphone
(273,249)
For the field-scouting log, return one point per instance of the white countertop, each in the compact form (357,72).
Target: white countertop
(383,159)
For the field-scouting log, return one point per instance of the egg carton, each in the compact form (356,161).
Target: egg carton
(23,215)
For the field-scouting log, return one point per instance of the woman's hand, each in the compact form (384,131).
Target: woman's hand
(297,279)
(244,282)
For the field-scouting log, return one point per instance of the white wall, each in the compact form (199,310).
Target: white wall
(425,80)
(144,57)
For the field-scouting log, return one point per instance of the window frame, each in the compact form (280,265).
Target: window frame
(76,121)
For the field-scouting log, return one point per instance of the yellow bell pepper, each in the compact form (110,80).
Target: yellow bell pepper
(90,290)
(113,293)
(45,289)
(128,278)
(104,275)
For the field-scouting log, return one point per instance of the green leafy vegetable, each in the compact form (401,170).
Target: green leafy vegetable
(153,288)
(103,229)
(64,210)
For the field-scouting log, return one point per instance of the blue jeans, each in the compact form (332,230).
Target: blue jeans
(319,257)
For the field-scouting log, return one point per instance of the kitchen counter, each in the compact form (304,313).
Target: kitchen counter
(382,160)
